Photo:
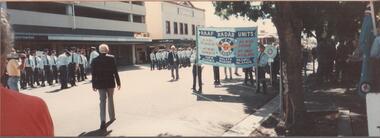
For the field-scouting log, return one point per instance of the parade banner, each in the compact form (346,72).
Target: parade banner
(227,47)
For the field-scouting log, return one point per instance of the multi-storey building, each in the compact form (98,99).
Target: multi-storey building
(172,22)
(60,25)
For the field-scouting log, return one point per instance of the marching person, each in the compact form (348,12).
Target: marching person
(14,68)
(85,66)
(173,61)
(35,68)
(29,67)
(158,58)
(72,67)
(197,71)
(41,72)
(54,65)
(152,60)
(62,64)
(21,115)
(262,61)
(104,75)
(80,71)
(93,54)
(46,59)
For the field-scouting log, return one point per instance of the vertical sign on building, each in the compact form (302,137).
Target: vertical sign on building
(228,47)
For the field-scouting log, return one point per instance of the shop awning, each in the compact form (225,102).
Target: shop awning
(70,37)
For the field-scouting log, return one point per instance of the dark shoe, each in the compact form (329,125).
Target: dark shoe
(32,86)
(103,125)
(42,85)
(200,91)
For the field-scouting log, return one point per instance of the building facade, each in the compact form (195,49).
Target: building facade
(61,25)
(173,23)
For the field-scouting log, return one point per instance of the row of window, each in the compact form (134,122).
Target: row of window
(183,28)
(64,9)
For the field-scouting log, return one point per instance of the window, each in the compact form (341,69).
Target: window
(167,27)
(138,3)
(139,18)
(101,14)
(180,28)
(175,24)
(186,29)
(193,29)
(46,7)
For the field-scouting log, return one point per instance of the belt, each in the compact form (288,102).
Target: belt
(14,76)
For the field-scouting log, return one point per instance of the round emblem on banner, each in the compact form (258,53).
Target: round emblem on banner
(365,87)
(271,51)
(226,46)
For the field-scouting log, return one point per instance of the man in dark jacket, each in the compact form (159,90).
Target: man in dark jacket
(104,74)
(173,61)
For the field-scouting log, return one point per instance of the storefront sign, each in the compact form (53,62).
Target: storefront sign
(227,47)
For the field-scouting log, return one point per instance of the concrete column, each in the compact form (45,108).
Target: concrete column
(3,5)
(131,17)
(133,54)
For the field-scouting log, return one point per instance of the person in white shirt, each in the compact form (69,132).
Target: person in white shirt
(29,67)
(73,66)
(93,54)
(62,64)
(159,60)
(81,62)
(54,67)
(152,60)
(47,61)
(86,66)
(197,72)
(40,67)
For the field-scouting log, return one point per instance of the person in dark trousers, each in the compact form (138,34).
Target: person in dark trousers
(197,71)
(80,71)
(173,61)
(104,75)
(29,66)
(262,61)
(72,67)
(54,65)
(216,75)
(46,59)
(36,71)
(62,64)
(248,75)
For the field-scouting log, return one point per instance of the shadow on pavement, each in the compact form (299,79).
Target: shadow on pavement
(241,94)
(98,132)
(130,67)
(54,91)
(167,135)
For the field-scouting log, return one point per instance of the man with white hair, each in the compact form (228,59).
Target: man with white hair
(104,74)
(173,61)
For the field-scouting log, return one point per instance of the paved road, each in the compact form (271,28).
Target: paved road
(149,104)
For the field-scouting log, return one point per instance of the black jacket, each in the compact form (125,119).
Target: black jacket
(171,57)
(104,72)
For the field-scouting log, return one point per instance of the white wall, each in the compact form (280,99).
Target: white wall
(154,19)
(116,6)
(173,13)
(55,20)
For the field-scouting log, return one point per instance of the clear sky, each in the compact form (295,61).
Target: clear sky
(216,21)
